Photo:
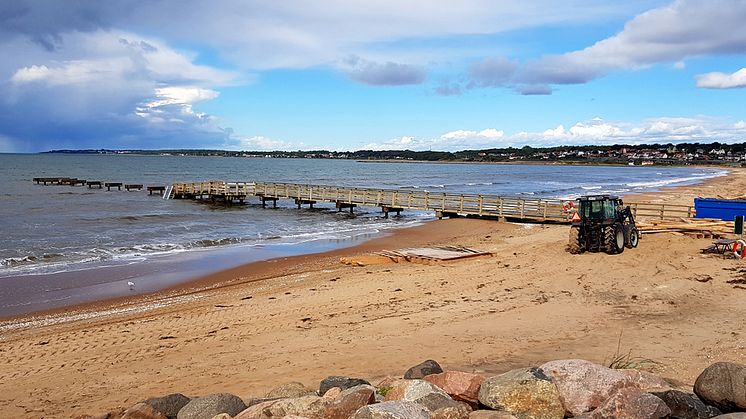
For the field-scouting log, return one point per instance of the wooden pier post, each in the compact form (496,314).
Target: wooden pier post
(342,205)
(110,185)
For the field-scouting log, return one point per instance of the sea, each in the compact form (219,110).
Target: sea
(64,245)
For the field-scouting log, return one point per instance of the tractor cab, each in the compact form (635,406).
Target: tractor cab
(599,208)
(602,224)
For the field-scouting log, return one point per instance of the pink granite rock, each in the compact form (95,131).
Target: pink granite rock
(631,403)
(459,385)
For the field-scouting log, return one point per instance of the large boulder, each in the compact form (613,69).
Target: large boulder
(459,385)
(524,393)
(208,406)
(338,381)
(142,411)
(631,403)
(454,412)
(411,390)
(738,415)
(686,406)
(723,385)
(349,401)
(169,405)
(421,370)
(312,407)
(399,409)
(583,385)
(293,389)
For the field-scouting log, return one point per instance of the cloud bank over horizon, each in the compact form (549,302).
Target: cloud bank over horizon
(134,74)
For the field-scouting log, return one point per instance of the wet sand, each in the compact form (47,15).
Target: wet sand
(303,318)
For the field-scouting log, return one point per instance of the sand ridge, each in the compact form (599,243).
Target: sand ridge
(301,319)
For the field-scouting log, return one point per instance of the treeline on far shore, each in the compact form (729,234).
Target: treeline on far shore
(683,153)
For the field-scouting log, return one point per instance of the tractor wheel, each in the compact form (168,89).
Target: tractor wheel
(614,239)
(634,238)
(573,245)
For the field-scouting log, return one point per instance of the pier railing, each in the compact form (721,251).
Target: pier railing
(443,203)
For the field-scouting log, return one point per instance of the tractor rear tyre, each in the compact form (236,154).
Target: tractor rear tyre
(614,239)
(633,239)
(573,245)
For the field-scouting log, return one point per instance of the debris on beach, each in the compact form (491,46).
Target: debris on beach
(428,255)
(556,389)
(692,227)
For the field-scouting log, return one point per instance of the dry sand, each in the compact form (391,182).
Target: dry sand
(249,329)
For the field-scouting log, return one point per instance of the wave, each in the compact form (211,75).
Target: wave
(666,182)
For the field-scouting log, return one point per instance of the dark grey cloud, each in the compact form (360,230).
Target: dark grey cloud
(492,72)
(382,74)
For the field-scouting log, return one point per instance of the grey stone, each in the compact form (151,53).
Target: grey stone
(737,415)
(294,389)
(421,370)
(631,403)
(686,406)
(169,405)
(338,381)
(723,385)
(208,406)
(399,409)
(524,393)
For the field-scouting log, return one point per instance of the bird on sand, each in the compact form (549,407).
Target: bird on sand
(131,285)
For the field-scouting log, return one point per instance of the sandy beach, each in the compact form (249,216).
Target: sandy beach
(303,318)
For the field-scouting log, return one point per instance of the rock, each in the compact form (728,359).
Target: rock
(421,370)
(169,405)
(114,414)
(294,389)
(349,401)
(208,406)
(312,407)
(342,382)
(490,414)
(583,385)
(332,393)
(686,406)
(412,390)
(723,385)
(222,416)
(525,393)
(399,409)
(142,411)
(631,403)
(738,415)
(645,381)
(460,412)
(459,385)
(256,411)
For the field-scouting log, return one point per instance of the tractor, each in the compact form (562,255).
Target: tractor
(602,224)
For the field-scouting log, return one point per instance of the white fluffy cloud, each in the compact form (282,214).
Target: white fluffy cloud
(722,80)
(669,34)
(594,132)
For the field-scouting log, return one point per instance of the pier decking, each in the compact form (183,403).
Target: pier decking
(443,204)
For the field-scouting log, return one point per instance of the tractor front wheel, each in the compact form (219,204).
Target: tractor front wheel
(634,238)
(574,245)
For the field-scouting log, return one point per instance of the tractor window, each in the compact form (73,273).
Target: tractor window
(610,209)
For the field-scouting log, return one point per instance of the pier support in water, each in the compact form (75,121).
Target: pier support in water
(129,187)
(440,214)
(92,183)
(269,198)
(110,185)
(386,210)
(158,189)
(300,202)
(342,205)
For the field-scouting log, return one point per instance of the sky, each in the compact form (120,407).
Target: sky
(386,74)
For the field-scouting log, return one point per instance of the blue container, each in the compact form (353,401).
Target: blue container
(724,209)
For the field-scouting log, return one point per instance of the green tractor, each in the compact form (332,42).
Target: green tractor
(602,224)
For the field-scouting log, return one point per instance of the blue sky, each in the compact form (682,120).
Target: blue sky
(348,75)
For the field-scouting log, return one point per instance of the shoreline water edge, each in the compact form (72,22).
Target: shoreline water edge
(251,328)
(109,285)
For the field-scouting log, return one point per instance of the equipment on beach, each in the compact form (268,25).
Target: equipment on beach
(602,224)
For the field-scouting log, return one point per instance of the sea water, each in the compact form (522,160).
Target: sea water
(63,245)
